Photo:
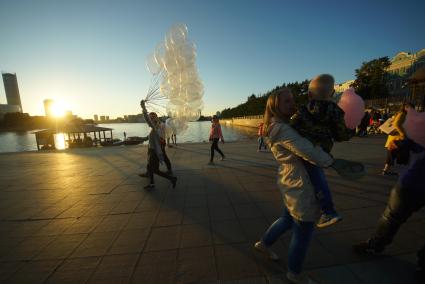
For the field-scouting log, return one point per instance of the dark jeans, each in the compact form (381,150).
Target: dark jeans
(214,146)
(321,187)
(153,167)
(389,160)
(166,160)
(261,143)
(302,233)
(402,203)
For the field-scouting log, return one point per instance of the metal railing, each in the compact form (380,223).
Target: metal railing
(248,117)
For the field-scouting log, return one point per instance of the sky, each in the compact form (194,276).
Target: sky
(90,54)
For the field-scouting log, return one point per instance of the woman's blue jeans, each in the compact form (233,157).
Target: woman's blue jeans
(302,233)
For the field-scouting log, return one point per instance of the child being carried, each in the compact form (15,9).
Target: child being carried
(321,121)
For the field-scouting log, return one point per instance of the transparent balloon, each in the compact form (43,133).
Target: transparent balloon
(175,59)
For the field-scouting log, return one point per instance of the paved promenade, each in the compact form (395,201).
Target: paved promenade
(82,216)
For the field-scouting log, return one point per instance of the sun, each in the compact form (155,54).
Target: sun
(57,109)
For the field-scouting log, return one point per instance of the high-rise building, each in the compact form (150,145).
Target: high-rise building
(48,110)
(96,117)
(12,91)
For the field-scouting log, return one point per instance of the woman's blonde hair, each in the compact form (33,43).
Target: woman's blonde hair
(272,108)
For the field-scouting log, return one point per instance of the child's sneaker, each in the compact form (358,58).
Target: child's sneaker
(265,250)
(328,219)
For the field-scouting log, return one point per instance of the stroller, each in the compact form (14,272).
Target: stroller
(374,126)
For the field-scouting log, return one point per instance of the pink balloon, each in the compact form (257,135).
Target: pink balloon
(353,106)
(415,126)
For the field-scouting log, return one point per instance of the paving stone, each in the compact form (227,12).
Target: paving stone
(225,232)
(247,211)
(75,270)
(34,272)
(164,238)
(27,249)
(128,242)
(64,218)
(196,235)
(115,269)
(220,213)
(195,265)
(141,220)
(196,215)
(96,244)
(334,275)
(112,223)
(61,247)
(169,217)
(158,267)
(83,225)
(234,262)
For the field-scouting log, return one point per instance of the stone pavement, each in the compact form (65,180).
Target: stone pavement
(82,216)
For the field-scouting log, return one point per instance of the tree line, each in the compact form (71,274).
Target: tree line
(371,83)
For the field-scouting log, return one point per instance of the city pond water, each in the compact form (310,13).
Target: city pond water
(196,132)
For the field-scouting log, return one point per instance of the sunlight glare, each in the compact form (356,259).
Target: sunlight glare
(58,110)
(60,141)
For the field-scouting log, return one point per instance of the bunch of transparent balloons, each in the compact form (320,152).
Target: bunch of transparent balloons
(174,64)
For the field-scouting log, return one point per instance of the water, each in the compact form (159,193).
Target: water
(197,132)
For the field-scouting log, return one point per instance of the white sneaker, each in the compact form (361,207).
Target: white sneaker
(223,158)
(299,278)
(265,250)
(328,219)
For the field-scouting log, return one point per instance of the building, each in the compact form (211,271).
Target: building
(339,88)
(96,117)
(48,107)
(8,109)
(12,90)
(107,117)
(102,118)
(403,65)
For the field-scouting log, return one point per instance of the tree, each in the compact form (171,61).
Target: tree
(255,105)
(371,79)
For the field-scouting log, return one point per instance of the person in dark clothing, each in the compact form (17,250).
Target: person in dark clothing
(364,124)
(406,197)
(155,152)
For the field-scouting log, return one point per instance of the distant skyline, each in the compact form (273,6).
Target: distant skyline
(90,54)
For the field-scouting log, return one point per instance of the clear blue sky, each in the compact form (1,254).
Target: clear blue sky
(91,54)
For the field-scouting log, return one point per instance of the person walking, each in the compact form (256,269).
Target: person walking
(261,142)
(406,198)
(301,208)
(155,149)
(394,142)
(215,136)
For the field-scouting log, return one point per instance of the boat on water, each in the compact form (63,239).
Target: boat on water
(133,140)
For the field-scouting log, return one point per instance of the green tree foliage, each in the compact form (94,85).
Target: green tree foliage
(371,79)
(255,105)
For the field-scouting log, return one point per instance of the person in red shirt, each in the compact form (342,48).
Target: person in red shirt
(215,136)
(261,143)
